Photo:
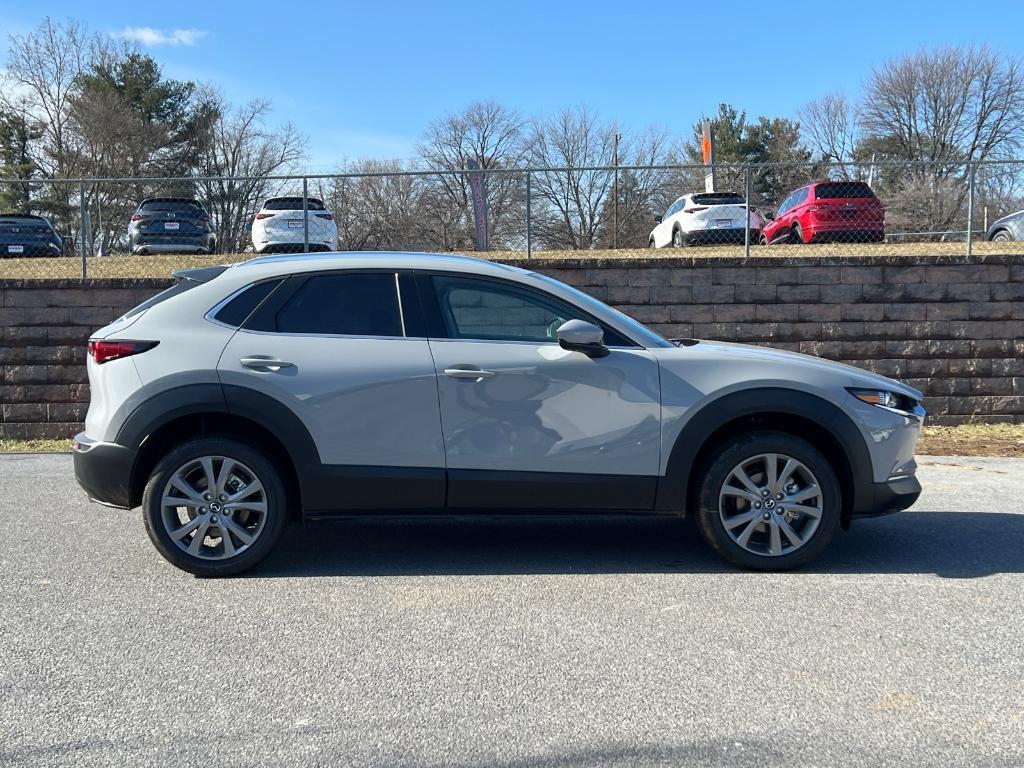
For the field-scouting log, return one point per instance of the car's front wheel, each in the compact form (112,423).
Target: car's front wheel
(1002,236)
(214,506)
(768,501)
(677,238)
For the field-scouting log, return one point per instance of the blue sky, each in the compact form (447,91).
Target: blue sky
(364,79)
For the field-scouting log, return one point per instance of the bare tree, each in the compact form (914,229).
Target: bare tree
(492,136)
(942,109)
(949,105)
(830,124)
(378,209)
(573,199)
(243,152)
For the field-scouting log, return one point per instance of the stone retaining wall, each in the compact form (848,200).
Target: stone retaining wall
(950,326)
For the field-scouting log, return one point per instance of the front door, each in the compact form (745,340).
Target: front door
(528,424)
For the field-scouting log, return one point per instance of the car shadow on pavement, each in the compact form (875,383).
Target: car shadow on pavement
(948,544)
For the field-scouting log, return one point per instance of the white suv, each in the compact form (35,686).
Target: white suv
(279,226)
(705,218)
(307,387)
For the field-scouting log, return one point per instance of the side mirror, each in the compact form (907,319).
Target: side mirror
(658,219)
(581,336)
(768,215)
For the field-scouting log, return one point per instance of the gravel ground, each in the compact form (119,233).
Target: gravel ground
(515,643)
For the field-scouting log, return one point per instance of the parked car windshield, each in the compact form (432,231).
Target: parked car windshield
(292,204)
(843,189)
(718,198)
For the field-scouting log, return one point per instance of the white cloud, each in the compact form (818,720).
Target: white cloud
(150,37)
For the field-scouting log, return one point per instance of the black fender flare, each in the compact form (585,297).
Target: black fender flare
(673,488)
(227,400)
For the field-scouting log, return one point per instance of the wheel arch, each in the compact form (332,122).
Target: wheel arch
(801,414)
(207,409)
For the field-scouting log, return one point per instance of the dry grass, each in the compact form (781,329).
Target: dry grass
(35,446)
(962,440)
(973,440)
(162,266)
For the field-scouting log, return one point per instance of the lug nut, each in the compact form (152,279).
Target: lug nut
(778,496)
(223,497)
(765,492)
(757,505)
(213,519)
(207,496)
(202,510)
(767,516)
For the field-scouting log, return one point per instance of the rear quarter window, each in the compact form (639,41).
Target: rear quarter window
(238,309)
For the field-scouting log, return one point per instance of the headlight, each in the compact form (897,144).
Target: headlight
(894,401)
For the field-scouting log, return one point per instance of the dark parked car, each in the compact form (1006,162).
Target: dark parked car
(1010,227)
(171,225)
(22,234)
(828,211)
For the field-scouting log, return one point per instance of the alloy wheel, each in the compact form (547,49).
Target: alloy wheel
(214,507)
(771,504)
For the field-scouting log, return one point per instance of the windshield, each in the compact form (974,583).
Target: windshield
(639,332)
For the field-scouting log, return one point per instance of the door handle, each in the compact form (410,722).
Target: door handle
(265,362)
(468,373)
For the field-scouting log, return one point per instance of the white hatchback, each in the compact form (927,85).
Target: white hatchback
(279,226)
(705,218)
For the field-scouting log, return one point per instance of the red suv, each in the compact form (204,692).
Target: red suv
(845,211)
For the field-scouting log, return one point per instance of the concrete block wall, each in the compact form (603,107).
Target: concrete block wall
(949,326)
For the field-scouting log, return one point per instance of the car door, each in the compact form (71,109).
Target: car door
(335,350)
(526,423)
(663,231)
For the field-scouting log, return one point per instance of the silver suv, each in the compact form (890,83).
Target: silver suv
(306,387)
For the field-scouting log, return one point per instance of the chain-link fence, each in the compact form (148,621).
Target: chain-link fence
(114,227)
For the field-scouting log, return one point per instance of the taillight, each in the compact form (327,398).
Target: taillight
(105,351)
(695,209)
(325,216)
(136,217)
(263,216)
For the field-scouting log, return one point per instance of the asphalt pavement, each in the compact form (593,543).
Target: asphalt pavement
(515,643)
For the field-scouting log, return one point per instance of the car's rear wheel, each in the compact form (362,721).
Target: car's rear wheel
(214,506)
(768,501)
(1002,236)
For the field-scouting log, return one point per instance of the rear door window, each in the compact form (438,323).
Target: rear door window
(355,304)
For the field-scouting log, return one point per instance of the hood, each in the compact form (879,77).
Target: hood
(780,363)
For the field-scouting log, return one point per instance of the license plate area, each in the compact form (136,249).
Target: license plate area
(294,223)
(723,223)
(15,248)
(171,225)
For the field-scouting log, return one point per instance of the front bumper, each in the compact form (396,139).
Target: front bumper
(104,470)
(894,495)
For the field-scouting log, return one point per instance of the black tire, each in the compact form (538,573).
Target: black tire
(220,446)
(677,238)
(714,474)
(762,240)
(797,237)
(1002,236)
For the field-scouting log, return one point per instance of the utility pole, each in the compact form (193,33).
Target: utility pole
(615,193)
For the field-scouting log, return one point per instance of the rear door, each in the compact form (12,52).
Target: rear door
(527,424)
(333,348)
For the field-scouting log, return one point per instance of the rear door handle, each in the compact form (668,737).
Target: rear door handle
(265,362)
(468,372)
